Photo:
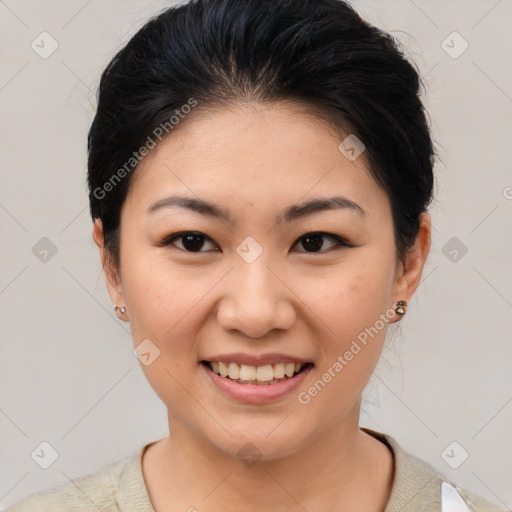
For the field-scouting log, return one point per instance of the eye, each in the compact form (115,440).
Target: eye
(314,241)
(192,241)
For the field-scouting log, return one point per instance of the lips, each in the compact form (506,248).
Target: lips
(254,391)
(256,378)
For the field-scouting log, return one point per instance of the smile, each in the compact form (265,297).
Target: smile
(250,386)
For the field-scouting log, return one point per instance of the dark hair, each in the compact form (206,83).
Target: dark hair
(319,53)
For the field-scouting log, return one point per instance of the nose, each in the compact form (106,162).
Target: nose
(256,300)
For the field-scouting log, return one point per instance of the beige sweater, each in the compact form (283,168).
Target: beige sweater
(120,487)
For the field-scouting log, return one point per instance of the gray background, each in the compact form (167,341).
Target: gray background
(68,375)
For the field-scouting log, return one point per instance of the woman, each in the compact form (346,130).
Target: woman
(259,176)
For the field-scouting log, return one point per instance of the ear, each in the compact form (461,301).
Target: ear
(112,278)
(410,276)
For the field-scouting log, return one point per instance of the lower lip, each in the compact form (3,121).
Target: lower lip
(256,393)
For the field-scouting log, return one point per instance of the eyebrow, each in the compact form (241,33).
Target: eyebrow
(289,214)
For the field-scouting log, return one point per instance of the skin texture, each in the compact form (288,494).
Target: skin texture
(256,160)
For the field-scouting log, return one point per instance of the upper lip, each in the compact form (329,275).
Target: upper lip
(260,360)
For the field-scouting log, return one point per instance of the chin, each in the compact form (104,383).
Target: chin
(266,443)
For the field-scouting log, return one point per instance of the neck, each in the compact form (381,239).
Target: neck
(345,469)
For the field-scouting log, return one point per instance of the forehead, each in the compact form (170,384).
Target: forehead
(254,155)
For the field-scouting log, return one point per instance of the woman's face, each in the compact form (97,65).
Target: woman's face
(251,288)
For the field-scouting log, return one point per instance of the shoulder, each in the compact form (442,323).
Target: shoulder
(92,492)
(418,486)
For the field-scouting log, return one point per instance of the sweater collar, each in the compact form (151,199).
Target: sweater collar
(416,485)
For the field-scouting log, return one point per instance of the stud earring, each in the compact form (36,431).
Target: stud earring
(400,308)
(122,309)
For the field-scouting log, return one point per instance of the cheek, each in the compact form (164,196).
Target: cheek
(358,314)
(161,296)
(355,297)
(164,306)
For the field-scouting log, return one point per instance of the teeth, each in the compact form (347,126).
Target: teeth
(265,373)
(256,374)
(289,369)
(279,370)
(247,372)
(234,371)
(223,369)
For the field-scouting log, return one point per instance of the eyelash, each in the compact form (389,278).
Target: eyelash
(340,242)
